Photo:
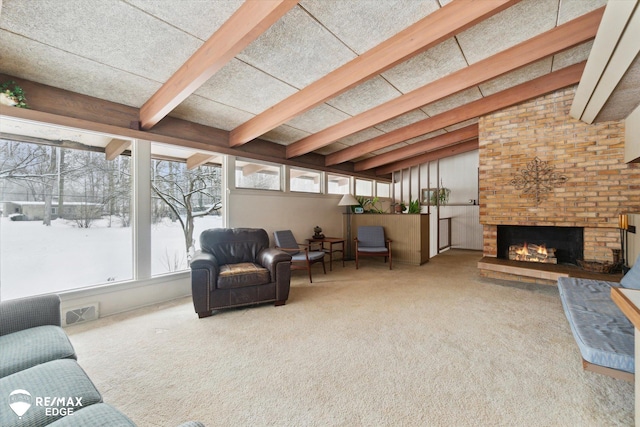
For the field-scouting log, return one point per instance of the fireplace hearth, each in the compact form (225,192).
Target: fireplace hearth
(541,244)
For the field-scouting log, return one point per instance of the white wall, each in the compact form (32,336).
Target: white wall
(276,210)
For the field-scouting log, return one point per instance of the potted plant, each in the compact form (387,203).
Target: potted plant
(12,95)
(414,207)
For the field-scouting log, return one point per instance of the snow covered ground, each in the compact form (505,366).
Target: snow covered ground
(35,259)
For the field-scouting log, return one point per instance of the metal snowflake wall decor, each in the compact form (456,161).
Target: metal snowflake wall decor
(537,179)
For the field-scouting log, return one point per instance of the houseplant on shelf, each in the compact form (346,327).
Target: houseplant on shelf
(414,207)
(12,95)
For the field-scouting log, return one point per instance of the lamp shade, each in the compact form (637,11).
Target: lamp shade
(348,200)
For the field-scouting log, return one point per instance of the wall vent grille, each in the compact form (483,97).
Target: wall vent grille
(73,316)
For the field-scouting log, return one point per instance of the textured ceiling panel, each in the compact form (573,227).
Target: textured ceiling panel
(358,137)
(452,101)
(196,17)
(430,65)
(107,32)
(67,71)
(571,9)
(425,136)
(532,71)
(402,121)
(297,50)
(516,24)
(331,148)
(206,112)
(235,85)
(572,56)
(363,24)
(626,96)
(284,135)
(318,118)
(365,96)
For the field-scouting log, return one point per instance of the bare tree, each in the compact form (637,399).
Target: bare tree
(180,189)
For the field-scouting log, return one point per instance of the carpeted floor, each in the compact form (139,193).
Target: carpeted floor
(434,345)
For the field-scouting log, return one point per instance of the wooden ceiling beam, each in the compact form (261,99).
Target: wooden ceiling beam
(452,150)
(420,147)
(563,37)
(446,22)
(199,159)
(115,147)
(248,22)
(522,92)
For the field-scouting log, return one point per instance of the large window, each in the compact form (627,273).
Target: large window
(184,203)
(304,180)
(65,220)
(258,175)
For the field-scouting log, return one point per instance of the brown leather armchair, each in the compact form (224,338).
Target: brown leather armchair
(236,267)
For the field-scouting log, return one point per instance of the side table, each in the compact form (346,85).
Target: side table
(330,250)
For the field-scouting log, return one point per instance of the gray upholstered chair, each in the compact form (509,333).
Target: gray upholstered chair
(371,242)
(302,257)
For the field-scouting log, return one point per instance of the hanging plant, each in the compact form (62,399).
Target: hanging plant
(440,196)
(12,95)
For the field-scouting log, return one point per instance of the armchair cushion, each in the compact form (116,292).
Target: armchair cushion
(242,274)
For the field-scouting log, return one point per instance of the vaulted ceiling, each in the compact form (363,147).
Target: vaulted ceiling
(380,83)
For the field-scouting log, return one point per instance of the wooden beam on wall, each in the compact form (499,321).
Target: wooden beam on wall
(522,92)
(446,22)
(116,147)
(199,159)
(421,147)
(563,37)
(452,150)
(244,26)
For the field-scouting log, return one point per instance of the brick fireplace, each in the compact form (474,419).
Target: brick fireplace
(586,182)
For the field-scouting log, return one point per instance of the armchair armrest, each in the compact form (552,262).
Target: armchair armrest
(17,315)
(206,261)
(269,258)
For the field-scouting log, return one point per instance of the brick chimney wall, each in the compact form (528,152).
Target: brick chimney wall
(599,183)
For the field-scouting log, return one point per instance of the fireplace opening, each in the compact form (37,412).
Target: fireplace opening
(546,244)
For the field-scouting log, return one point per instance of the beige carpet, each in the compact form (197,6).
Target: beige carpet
(432,345)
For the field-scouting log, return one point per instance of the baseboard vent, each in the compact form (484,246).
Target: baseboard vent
(73,316)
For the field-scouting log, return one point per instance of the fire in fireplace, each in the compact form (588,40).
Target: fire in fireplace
(564,245)
(533,253)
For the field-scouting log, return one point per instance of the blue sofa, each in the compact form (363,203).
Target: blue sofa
(40,381)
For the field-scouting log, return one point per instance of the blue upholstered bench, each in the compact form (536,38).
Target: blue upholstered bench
(603,333)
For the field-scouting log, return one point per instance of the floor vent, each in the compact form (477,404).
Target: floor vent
(81,314)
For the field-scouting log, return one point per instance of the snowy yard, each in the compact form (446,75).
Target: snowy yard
(35,259)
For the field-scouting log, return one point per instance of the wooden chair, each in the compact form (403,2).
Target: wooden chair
(302,257)
(371,242)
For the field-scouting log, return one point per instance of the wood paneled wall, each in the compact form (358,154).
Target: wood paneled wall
(409,234)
